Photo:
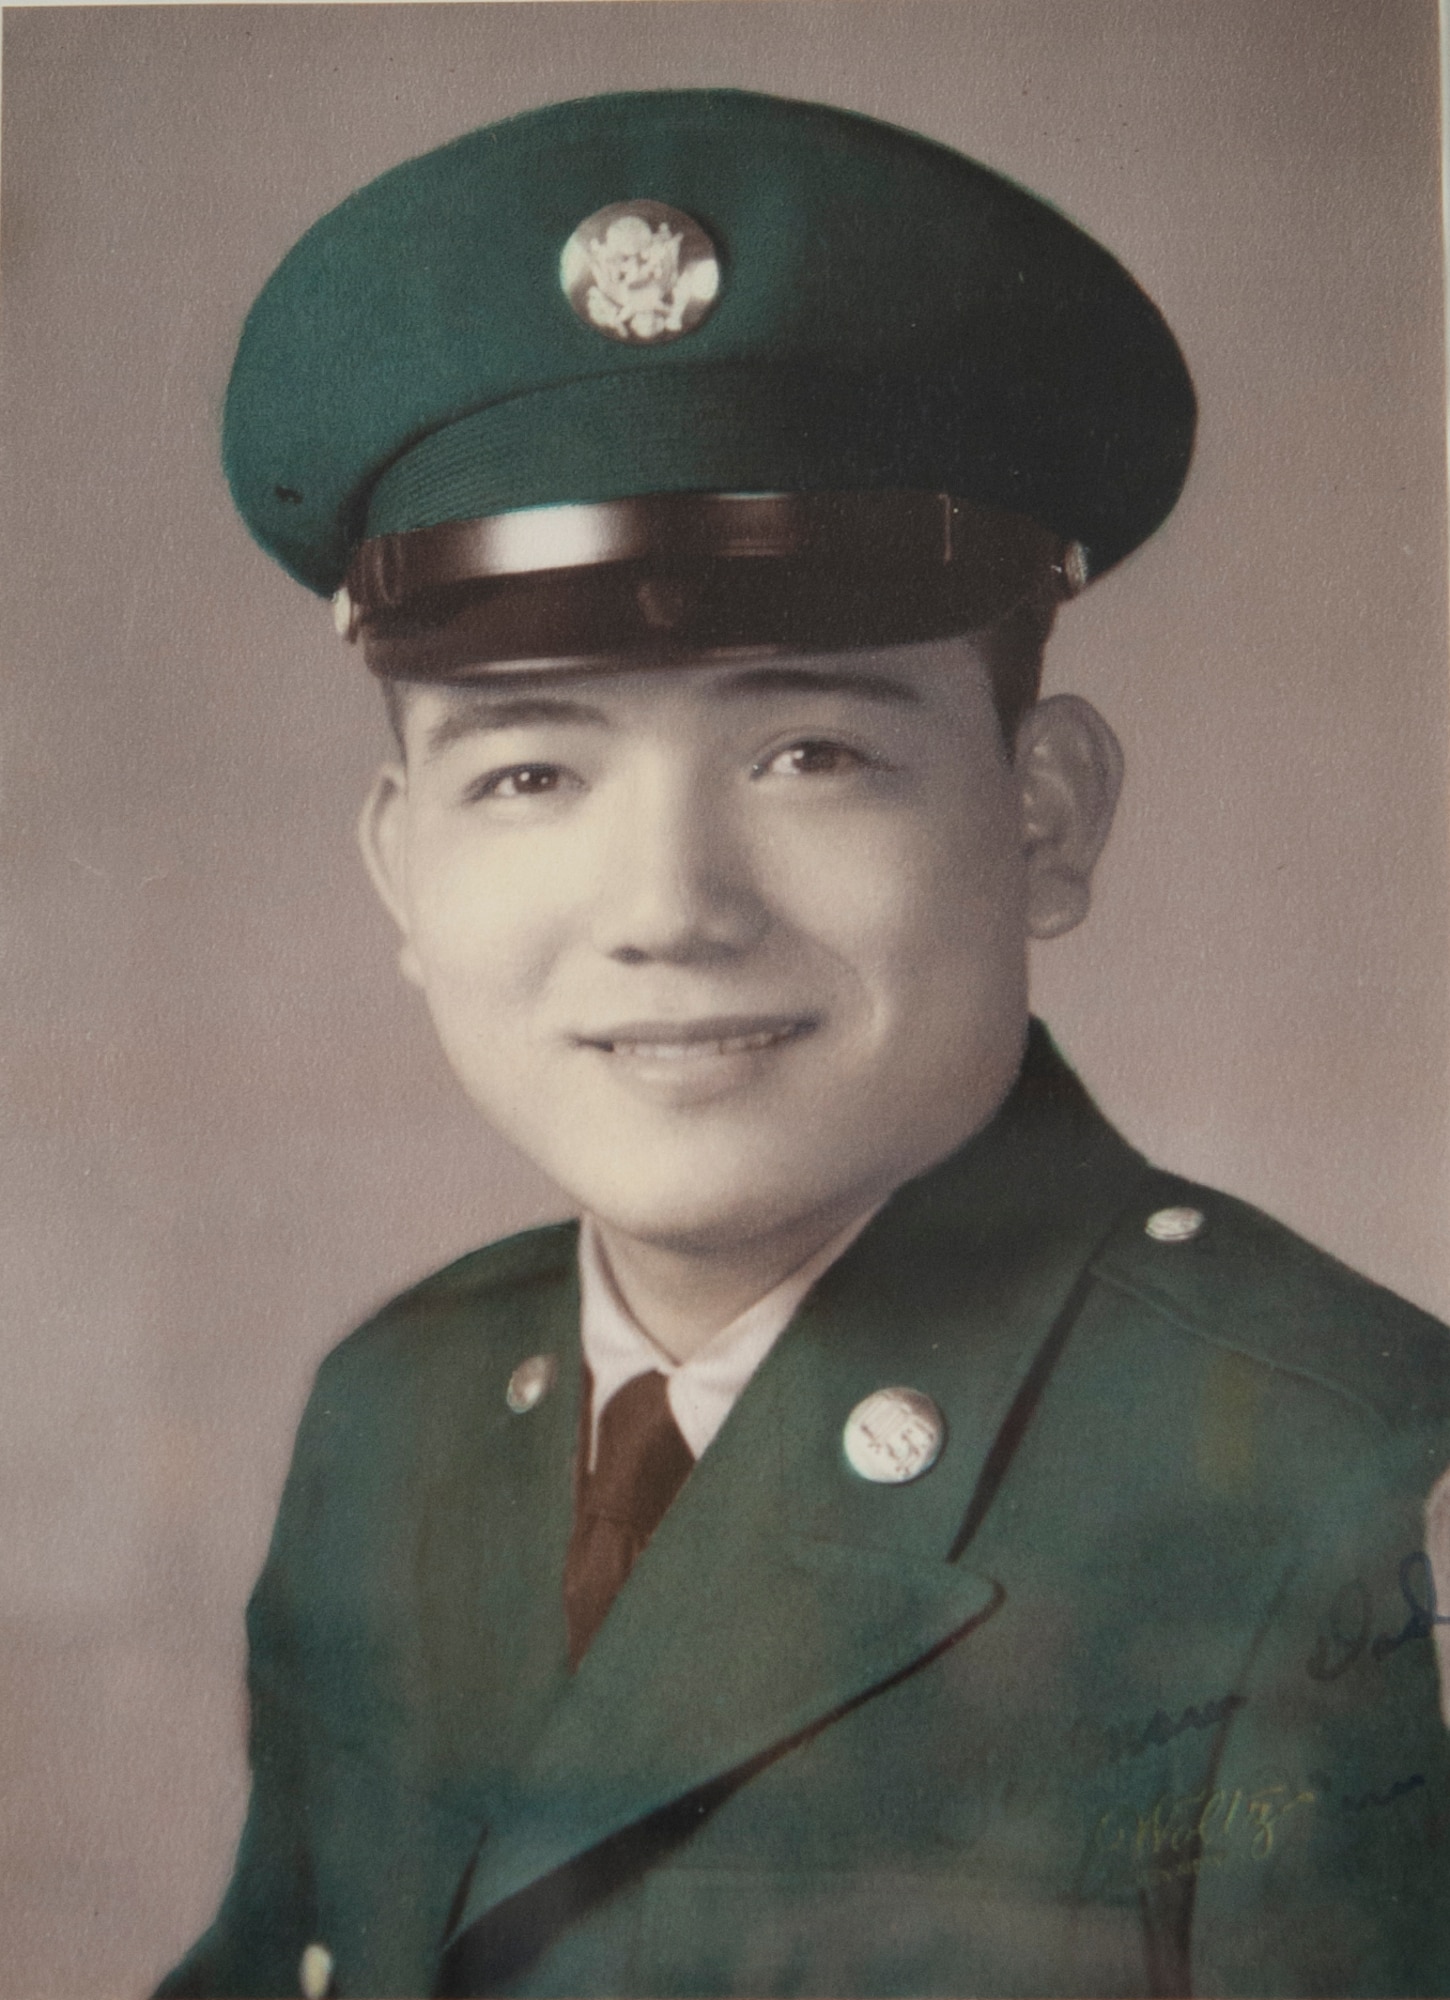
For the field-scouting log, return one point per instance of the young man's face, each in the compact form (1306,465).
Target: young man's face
(726,950)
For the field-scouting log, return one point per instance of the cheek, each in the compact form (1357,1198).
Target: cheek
(911,901)
(484,920)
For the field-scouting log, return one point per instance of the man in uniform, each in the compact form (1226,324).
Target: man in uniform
(900,1542)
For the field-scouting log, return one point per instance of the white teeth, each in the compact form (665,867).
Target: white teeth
(726,1045)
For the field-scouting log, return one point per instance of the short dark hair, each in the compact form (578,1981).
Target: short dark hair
(1011,651)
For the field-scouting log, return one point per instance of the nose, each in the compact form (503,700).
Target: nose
(678,883)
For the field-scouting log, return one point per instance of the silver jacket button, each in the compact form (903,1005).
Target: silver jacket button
(1174,1225)
(530,1382)
(893,1436)
(314,1972)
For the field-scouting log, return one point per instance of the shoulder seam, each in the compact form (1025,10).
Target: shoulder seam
(533,1256)
(1166,1310)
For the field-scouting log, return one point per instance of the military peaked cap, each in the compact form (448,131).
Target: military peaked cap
(666,374)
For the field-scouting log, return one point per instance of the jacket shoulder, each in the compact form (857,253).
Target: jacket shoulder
(1244,1282)
(485,1287)
(514,1260)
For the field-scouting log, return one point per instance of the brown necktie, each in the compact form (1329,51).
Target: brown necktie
(639,1466)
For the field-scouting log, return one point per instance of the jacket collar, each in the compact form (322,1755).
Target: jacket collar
(781,1589)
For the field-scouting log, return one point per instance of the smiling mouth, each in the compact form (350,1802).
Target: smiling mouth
(697,1041)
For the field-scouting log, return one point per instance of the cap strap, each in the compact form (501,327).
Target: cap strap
(547,583)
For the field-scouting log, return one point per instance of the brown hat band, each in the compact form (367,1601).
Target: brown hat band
(678,576)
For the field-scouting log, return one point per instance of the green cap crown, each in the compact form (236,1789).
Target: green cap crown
(889,315)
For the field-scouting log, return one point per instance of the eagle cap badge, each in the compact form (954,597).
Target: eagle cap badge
(640,272)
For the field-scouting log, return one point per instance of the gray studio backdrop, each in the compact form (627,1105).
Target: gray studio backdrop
(227,1131)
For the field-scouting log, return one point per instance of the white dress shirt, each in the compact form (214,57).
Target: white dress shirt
(703,1389)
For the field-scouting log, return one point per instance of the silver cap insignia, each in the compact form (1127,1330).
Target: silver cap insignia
(640,272)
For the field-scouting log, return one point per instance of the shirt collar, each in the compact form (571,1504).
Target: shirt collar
(703,1389)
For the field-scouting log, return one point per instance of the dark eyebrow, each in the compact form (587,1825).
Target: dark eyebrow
(478,713)
(478,710)
(807,680)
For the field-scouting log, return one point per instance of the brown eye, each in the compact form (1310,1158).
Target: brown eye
(814,758)
(519,781)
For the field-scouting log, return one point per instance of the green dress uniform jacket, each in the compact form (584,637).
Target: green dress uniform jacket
(1133,1692)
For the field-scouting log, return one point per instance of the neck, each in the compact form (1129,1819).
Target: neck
(684,1297)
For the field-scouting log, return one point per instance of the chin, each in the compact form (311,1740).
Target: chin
(702,1206)
(703,1198)
(699,1216)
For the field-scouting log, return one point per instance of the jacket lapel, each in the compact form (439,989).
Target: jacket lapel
(781,1589)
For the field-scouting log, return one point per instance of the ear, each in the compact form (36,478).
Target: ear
(1069,765)
(382,836)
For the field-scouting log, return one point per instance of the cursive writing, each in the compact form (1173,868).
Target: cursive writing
(1351,1615)
(1368,1801)
(1183,1834)
(1111,1743)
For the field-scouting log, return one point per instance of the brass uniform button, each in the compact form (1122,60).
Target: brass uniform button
(530,1382)
(1175,1225)
(314,1972)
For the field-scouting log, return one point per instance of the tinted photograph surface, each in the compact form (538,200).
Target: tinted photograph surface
(954,1520)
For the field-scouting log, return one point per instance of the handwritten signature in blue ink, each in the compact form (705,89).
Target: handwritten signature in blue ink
(1112,1742)
(1351,1615)
(1352,1802)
